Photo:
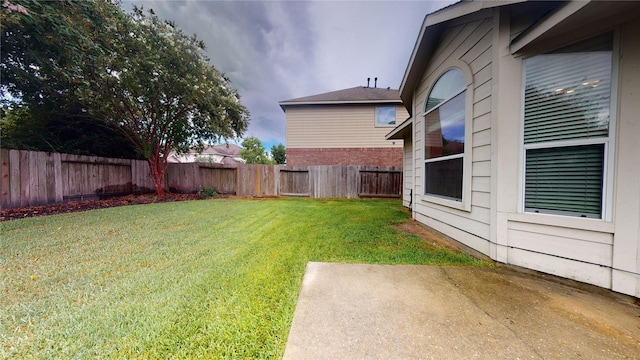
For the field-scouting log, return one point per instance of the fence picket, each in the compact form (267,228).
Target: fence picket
(6,177)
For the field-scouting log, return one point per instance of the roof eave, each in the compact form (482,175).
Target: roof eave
(284,104)
(585,18)
(402,131)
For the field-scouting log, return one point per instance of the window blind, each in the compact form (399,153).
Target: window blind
(567,96)
(565,179)
(567,101)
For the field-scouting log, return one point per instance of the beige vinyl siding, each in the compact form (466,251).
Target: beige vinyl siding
(626,253)
(602,253)
(339,126)
(407,169)
(578,244)
(606,252)
(563,247)
(461,235)
(470,43)
(567,268)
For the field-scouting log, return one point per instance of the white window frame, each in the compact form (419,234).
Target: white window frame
(606,213)
(465,203)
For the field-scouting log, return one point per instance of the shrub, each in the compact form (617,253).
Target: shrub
(208,192)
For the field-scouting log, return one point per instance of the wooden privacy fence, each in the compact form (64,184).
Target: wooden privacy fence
(350,181)
(37,178)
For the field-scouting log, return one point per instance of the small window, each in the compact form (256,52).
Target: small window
(566,129)
(445,136)
(385,116)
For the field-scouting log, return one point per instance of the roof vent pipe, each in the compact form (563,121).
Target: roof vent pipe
(375,84)
(368,79)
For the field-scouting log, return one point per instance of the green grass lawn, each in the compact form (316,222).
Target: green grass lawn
(198,279)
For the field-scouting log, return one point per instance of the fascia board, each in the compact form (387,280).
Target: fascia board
(355,102)
(429,30)
(398,131)
(547,24)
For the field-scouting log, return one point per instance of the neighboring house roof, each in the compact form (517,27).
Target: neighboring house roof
(224,150)
(356,95)
(229,154)
(228,160)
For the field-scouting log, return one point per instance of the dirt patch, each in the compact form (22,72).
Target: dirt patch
(414,228)
(77,206)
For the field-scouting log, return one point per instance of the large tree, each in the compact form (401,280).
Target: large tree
(163,93)
(61,129)
(43,46)
(279,154)
(253,151)
(136,72)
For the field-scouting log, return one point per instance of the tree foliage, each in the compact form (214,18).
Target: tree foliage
(43,47)
(47,48)
(134,72)
(42,128)
(253,152)
(279,154)
(163,93)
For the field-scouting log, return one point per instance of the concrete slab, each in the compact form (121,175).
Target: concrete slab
(354,311)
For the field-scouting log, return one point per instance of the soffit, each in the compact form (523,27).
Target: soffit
(402,131)
(574,21)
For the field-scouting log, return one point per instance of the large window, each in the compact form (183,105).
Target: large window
(567,129)
(445,136)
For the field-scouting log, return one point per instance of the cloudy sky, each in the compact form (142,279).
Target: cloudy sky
(280,50)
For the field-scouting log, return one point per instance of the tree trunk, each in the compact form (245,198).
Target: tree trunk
(156,168)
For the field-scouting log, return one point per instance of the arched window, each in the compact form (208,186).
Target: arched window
(445,136)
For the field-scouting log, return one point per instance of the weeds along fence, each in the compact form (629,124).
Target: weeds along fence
(38,178)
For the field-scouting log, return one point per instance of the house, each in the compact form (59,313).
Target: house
(227,154)
(523,141)
(344,127)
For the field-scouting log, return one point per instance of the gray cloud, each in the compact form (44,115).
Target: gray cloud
(277,50)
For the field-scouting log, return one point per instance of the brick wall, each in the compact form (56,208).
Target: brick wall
(345,156)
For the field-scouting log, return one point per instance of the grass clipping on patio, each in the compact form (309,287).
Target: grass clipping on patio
(213,279)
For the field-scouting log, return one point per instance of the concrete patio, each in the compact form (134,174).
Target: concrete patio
(354,311)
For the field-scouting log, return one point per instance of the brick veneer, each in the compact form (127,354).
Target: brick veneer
(345,156)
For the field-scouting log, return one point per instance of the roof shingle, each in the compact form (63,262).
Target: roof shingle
(359,94)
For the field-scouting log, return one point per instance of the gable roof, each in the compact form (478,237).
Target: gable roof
(432,27)
(356,95)
(223,150)
(563,20)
